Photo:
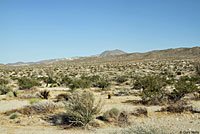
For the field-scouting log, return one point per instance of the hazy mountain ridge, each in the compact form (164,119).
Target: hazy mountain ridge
(118,55)
(112,52)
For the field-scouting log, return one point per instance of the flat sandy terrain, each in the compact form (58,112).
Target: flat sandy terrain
(37,125)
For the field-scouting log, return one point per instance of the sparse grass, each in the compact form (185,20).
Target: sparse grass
(142,130)
(37,108)
(33,101)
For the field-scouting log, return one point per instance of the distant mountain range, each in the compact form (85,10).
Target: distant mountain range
(119,55)
(103,54)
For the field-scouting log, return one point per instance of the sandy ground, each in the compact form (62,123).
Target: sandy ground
(36,125)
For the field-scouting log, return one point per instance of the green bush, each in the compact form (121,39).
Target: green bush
(121,79)
(79,83)
(4,90)
(13,116)
(153,92)
(197,68)
(3,82)
(27,83)
(66,81)
(103,84)
(182,87)
(81,108)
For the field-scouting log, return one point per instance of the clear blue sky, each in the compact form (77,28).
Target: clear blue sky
(32,30)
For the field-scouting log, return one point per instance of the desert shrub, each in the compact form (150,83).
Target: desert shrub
(37,108)
(142,130)
(10,94)
(139,111)
(44,94)
(121,79)
(48,80)
(182,88)
(79,83)
(66,81)
(94,78)
(27,83)
(123,118)
(197,68)
(63,97)
(33,101)
(13,116)
(43,107)
(4,90)
(3,82)
(116,116)
(178,107)
(153,92)
(103,84)
(111,114)
(82,108)
(195,79)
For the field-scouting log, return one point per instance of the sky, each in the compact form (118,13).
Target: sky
(33,30)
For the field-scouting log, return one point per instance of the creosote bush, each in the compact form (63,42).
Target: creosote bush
(3,82)
(82,108)
(182,87)
(5,89)
(121,79)
(79,83)
(27,83)
(152,92)
(103,84)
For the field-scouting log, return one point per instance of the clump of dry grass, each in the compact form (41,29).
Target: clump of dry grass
(82,108)
(139,112)
(37,108)
(116,116)
(63,96)
(178,107)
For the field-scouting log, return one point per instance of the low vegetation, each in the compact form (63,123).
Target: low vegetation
(142,130)
(27,83)
(82,108)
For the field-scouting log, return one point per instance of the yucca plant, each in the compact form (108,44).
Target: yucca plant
(44,94)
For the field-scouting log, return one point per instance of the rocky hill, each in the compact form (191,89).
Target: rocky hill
(112,52)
